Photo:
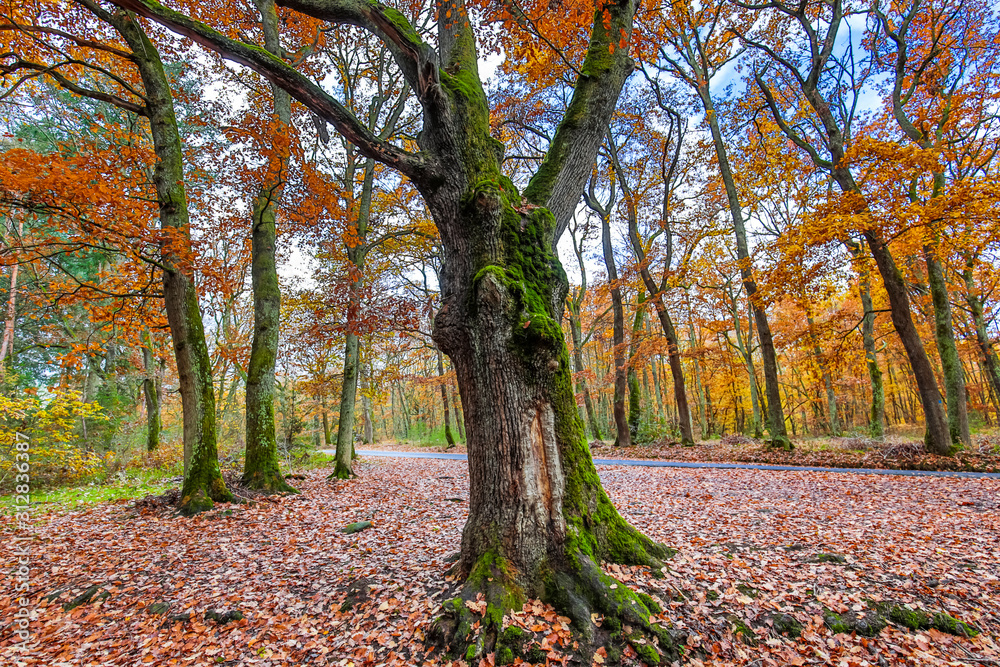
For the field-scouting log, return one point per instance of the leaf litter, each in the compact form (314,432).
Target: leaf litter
(762,556)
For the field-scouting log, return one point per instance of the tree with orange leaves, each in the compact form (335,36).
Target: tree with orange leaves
(117,63)
(539,521)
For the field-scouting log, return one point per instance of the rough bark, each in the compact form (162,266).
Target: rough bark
(262,465)
(951,365)
(203,482)
(539,522)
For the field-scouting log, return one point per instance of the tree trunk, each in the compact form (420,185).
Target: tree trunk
(991,365)
(444,401)
(203,482)
(951,365)
(7,343)
(539,522)
(262,467)
(622,435)
(776,419)
(676,373)
(938,437)
(634,395)
(151,388)
(343,468)
(357,252)
(876,417)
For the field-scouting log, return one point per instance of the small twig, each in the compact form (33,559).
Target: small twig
(972,657)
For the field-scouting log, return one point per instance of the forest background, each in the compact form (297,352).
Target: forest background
(727,260)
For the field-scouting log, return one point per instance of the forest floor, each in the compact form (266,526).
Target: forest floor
(762,557)
(890,453)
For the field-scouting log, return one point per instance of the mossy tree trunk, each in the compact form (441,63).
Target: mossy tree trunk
(539,522)
(343,467)
(634,394)
(944,336)
(360,210)
(990,366)
(449,438)
(262,466)
(152,389)
(203,482)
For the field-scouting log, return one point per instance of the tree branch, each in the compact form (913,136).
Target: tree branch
(560,180)
(288,78)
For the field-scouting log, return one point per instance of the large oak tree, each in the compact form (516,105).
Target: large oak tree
(539,521)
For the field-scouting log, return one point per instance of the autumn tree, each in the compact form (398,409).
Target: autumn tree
(261,468)
(801,73)
(141,87)
(697,43)
(605,211)
(539,522)
(669,161)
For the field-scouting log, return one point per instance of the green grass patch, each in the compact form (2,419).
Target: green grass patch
(312,461)
(66,498)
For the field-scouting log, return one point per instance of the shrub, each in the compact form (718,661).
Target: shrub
(53,453)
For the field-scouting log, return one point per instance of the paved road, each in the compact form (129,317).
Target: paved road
(687,464)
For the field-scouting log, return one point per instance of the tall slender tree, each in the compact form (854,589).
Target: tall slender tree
(262,466)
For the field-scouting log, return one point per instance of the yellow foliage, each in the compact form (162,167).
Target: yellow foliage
(46,434)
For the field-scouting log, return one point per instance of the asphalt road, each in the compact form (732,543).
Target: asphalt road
(687,464)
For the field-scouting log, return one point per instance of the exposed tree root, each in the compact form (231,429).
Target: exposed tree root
(269,483)
(472,627)
(197,498)
(341,472)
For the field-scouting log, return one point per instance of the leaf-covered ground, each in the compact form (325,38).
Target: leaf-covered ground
(756,551)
